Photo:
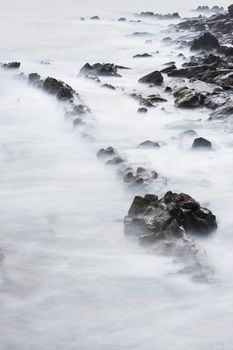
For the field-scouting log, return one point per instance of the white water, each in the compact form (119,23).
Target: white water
(69,277)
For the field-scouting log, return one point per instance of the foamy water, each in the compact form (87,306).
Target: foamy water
(69,278)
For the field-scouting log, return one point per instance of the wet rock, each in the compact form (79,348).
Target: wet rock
(100,69)
(168,89)
(165,225)
(230,10)
(58,88)
(207,41)
(108,86)
(214,102)
(142,110)
(77,122)
(33,77)
(201,143)
(149,144)
(115,161)
(154,78)
(79,109)
(144,55)
(11,65)
(156,99)
(186,98)
(107,152)
(222,112)
(151,14)
(168,69)
(95,18)
(122,19)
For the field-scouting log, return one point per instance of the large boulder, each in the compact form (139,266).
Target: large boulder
(154,78)
(207,41)
(201,143)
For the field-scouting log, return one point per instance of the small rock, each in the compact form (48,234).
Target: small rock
(200,142)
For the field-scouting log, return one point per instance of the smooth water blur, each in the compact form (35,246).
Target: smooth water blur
(69,278)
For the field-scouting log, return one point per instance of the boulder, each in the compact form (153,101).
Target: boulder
(200,143)
(207,41)
(186,98)
(168,69)
(142,110)
(58,88)
(149,144)
(154,78)
(107,152)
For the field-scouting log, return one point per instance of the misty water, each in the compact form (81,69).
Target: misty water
(69,278)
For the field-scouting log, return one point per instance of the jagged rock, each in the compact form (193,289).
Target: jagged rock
(154,78)
(115,161)
(95,18)
(149,144)
(101,69)
(165,224)
(207,41)
(108,86)
(200,143)
(58,88)
(11,65)
(222,112)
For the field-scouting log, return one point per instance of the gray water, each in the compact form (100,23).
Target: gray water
(69,279)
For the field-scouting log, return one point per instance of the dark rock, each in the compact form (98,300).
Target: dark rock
(107,152)
(33,77)
(168,69)
(149,144)
(168,89)
(122,19)
(207,41)
(77,122)
(109,86)
(142,110)
(115,161)
(11,65)
(144,55)
(95,17)
(230,10)
(200,142)
(154,78)
(156,99)
(100,69)
(58,88)
(187,98)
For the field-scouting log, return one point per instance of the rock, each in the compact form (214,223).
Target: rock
(115,161)
(168,69)
(11,65)
(222,112)
(122,19)
(77,122)
(144,55)
(108,86)
(142,110)
(156,99)
(149,144)
(95,18)
(230,10)
(207,41)
(100,69)
(186,98)
(165,224)
(33,77)
(168,89)
(154,78)
(58,88)
(107,152)
(200,143)
(78,109)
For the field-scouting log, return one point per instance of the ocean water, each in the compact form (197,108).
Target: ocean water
(69,278)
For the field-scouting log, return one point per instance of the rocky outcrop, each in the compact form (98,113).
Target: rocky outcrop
(165,224)
(154,78)
(59,88)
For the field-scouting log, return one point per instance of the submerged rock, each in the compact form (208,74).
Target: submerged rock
(149,144)
(154,78)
